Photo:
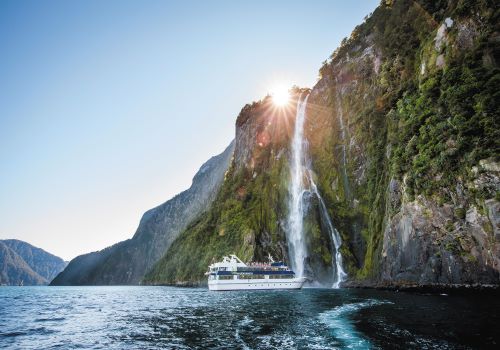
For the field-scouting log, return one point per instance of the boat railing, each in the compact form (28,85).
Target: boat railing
(261,268)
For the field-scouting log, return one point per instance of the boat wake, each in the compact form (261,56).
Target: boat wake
(342,328)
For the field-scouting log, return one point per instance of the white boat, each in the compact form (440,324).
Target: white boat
(233,274)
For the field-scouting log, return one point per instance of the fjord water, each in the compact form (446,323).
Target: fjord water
(194,318)
(301,181)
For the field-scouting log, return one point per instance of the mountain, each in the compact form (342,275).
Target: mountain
(126,262)
(20,262)
(403,136)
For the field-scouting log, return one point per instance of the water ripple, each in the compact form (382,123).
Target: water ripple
(180,318)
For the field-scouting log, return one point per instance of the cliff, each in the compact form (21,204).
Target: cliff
(126,262)
(410,105)
(22,263)
(245,218)
(403,137)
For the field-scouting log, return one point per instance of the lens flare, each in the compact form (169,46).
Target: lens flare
(280,95)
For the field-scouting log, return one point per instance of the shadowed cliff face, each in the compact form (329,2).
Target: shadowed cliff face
(247,217)
(127,262)
(403,137)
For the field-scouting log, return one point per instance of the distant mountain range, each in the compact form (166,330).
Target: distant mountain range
(22,263)
(128,261)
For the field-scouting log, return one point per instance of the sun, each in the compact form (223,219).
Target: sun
(280,95)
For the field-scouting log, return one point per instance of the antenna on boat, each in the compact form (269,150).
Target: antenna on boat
(271,260)
(233,256)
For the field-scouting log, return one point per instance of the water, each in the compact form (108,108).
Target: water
(340,274)
(182,318)
(301,181)
(295,235)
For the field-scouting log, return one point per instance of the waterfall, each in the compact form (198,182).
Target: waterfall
(301,181)
(295,237)
(334,236)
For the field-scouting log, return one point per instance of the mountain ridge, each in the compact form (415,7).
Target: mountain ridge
(126,262)
(23,263)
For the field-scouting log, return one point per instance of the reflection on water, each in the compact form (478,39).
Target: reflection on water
(180,318)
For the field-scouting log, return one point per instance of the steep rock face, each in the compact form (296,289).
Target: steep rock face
(246,218)
(426,243)
(127,262)
(21,262)
(403,134)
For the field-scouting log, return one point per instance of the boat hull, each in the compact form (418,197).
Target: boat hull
(254,284)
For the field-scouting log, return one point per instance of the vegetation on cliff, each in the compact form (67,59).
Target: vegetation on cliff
(245,217)
(417,88)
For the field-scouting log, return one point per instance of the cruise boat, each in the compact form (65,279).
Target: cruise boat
(233,274)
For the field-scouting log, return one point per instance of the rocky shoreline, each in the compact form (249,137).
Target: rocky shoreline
(437,288)
(449,289)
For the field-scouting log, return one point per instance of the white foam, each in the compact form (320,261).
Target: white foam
(338,322)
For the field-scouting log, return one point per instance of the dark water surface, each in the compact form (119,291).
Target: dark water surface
(179,318)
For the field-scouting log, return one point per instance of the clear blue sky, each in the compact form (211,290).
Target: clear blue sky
(108,108)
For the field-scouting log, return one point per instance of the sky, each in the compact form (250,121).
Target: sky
(108,108)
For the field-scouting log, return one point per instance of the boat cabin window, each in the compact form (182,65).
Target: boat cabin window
(280,276)
(226,277)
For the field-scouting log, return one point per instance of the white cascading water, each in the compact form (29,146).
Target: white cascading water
(296,244)
(300,178)
(335,237)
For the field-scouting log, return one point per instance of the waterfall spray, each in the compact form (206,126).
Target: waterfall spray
(334,236)
(301,181)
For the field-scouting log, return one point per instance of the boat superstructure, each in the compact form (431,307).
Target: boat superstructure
(233,274)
